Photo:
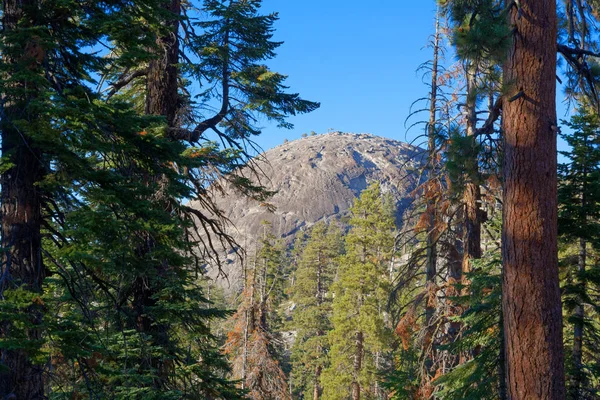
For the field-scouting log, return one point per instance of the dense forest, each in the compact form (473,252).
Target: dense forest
(124,122)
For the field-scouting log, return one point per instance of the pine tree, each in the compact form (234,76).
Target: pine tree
(23,169)
(531,293)
(361,336)
(47,71)
(579,230)
(311,296)
(227,43)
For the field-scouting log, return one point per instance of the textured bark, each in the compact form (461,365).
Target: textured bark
(161,100)
(531,295)
(454,308)
(22,265)
(161,83)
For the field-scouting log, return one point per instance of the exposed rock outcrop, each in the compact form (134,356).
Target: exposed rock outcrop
(317,178)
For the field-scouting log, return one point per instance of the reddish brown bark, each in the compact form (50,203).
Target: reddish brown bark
(531,295)
(22,265)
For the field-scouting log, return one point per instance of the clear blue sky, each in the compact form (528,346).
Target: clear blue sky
(359,59)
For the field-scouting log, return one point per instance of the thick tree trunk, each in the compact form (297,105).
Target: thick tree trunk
(161,100)
(161,85)
(22,265)
(531,295)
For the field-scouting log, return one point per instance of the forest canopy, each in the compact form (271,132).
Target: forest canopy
(124,126)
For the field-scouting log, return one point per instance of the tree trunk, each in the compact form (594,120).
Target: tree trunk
(317,388)
(431,255)
(579,312)
(22,266)
(161,85)
(358,356)
(578,329)
(531,294)
(472,195)
(161,100)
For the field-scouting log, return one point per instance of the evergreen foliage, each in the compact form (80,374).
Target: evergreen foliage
(481,30)
(312,299)
(579,229)
(107,141)
(121,313)
(361,335)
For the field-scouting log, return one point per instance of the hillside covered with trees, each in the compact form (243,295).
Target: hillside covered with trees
(465,265)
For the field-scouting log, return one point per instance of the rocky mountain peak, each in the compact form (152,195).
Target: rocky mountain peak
(317,178)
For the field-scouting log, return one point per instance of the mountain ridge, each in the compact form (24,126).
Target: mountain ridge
(317,178)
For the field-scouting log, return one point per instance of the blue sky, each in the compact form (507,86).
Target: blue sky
(359,59)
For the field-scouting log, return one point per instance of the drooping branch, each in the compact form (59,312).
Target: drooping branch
(575,58)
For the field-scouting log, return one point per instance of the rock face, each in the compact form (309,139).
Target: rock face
(317,178)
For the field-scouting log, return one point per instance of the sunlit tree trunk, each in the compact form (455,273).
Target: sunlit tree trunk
(431,260)
(531,294)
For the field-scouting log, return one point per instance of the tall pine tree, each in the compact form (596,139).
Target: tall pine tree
(361,336)
(312,297)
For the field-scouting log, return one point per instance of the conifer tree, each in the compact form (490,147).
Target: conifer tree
(579,230)
(522,172)
(312,297)
(531,293)
(229,41)
(104,186)
(251,345)
(361,336)
(22,267)
(47,67)
(431,208)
